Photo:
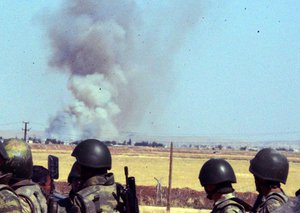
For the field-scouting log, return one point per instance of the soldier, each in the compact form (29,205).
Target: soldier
(20,165)
(9,201)
(74,180)
(65,204)
(93,160)
(269,168)
(217,176)
(41,176)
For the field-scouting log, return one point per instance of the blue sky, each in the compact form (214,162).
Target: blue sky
(232,69)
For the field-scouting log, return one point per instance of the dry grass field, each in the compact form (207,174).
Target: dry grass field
(147,163)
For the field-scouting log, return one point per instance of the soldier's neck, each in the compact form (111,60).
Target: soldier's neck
(216,197)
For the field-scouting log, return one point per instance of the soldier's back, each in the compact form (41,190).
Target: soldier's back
(228,206)
(96,198)
(272,202)
(32,198)
(9,201)
(293,205)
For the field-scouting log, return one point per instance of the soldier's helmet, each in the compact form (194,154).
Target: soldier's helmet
(92,153)
(269,164)
(74,174)
(215,171)
(3,152)
(20,159)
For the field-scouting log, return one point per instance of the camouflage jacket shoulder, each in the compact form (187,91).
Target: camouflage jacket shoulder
(293,205)
(60,206)
(97,195)
(228,204)
(32,196)
(9,201)
(272,202)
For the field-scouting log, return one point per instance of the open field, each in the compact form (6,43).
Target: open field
(147,163)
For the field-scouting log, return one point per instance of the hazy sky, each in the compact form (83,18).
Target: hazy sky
(226,69)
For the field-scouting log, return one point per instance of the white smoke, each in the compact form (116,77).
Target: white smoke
(113,63)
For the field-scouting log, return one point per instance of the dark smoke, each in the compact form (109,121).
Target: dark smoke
(116,64)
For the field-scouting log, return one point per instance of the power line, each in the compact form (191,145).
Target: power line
(8,124)
(39,124)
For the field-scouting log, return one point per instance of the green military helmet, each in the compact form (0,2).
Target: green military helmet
(215,171)
(74,173)
(269,164)
(92,153)
(20,159)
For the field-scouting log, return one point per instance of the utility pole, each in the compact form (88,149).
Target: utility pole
(170,178)
(25,130)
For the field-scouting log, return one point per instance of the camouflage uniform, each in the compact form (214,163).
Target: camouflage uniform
(272,201)
(96,195)
(227,203)
(32,198)
(270,168)
(217,176)
(9,201)
(293,205)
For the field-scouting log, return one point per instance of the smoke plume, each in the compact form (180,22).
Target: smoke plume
(117,63)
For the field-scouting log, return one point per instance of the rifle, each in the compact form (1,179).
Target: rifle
(128,195)
(53,162)
(54,197)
